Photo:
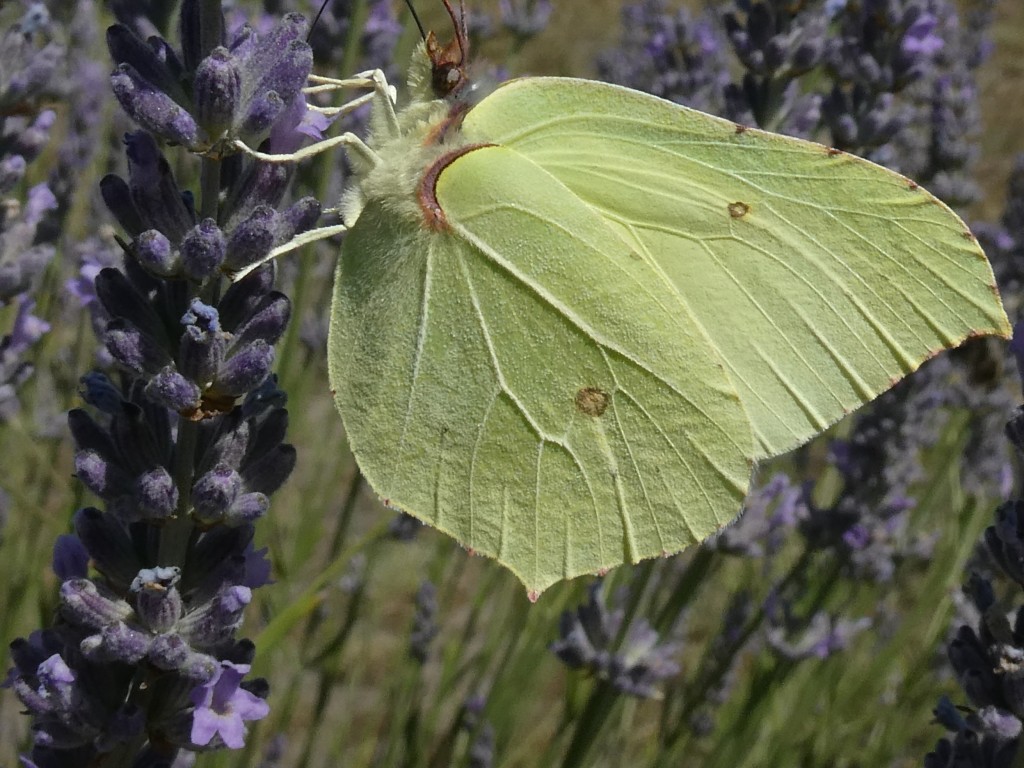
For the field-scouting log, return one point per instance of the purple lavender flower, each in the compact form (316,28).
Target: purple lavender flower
(15,370)
(671,55)
(879,463)
(185,447)
(22,258)
(28,61)
(770,512)
(424,624)
(525,18)
(818,637)
(239,89)
(987,655)
(588,641)
(222,707)
(481,751)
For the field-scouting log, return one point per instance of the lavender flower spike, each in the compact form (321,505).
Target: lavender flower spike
(185,446)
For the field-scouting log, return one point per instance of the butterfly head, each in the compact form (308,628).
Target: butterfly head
(448,61)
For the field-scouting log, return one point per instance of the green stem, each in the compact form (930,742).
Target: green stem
(695,574)
(591,722)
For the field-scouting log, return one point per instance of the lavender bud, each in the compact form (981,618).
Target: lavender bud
(260,117)
(152,108)
(288,74)
(172,390)
(121,299)
(247,508)
(118,198)
(157,601)
(156,254)
(246,369)
(132,349)
(979,590)
(273,46)
(202,345)
(82,604)
(101,476)
(1005,539)
(109,546)
(217,87)
(268,472)
(424,623)
(70,558)
(156,495)
(1015,428)
(155,193)
(973,669)
(587,642)
(215,559)
(31,141)
(214,492)
(36,19)
(57,682)
(100,392)
(268,321)
(126,48)
(190,32)
(35,75)
(1011,666)
(253,238)
(301,216)
(169,651)
(212,623)
(12,171)
(948,715)
(242,297)
(203,249)
(117,642)
(198,667)
(261,184)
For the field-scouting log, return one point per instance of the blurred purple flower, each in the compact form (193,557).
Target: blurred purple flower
(588,641)
(920,38)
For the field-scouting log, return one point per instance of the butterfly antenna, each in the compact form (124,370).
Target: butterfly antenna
(323,7)
(416,18)
(461,30)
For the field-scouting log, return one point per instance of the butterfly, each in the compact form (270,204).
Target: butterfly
(569,318)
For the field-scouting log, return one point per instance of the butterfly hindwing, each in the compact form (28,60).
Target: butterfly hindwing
(547,398)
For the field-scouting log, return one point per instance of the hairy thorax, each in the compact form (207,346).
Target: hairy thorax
(429,129)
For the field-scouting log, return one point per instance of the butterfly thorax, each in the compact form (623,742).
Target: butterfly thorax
(428,130)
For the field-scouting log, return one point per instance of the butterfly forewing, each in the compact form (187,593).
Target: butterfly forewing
(818,277)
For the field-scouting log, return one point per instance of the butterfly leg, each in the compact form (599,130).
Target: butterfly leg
(383,98)
(310,236)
